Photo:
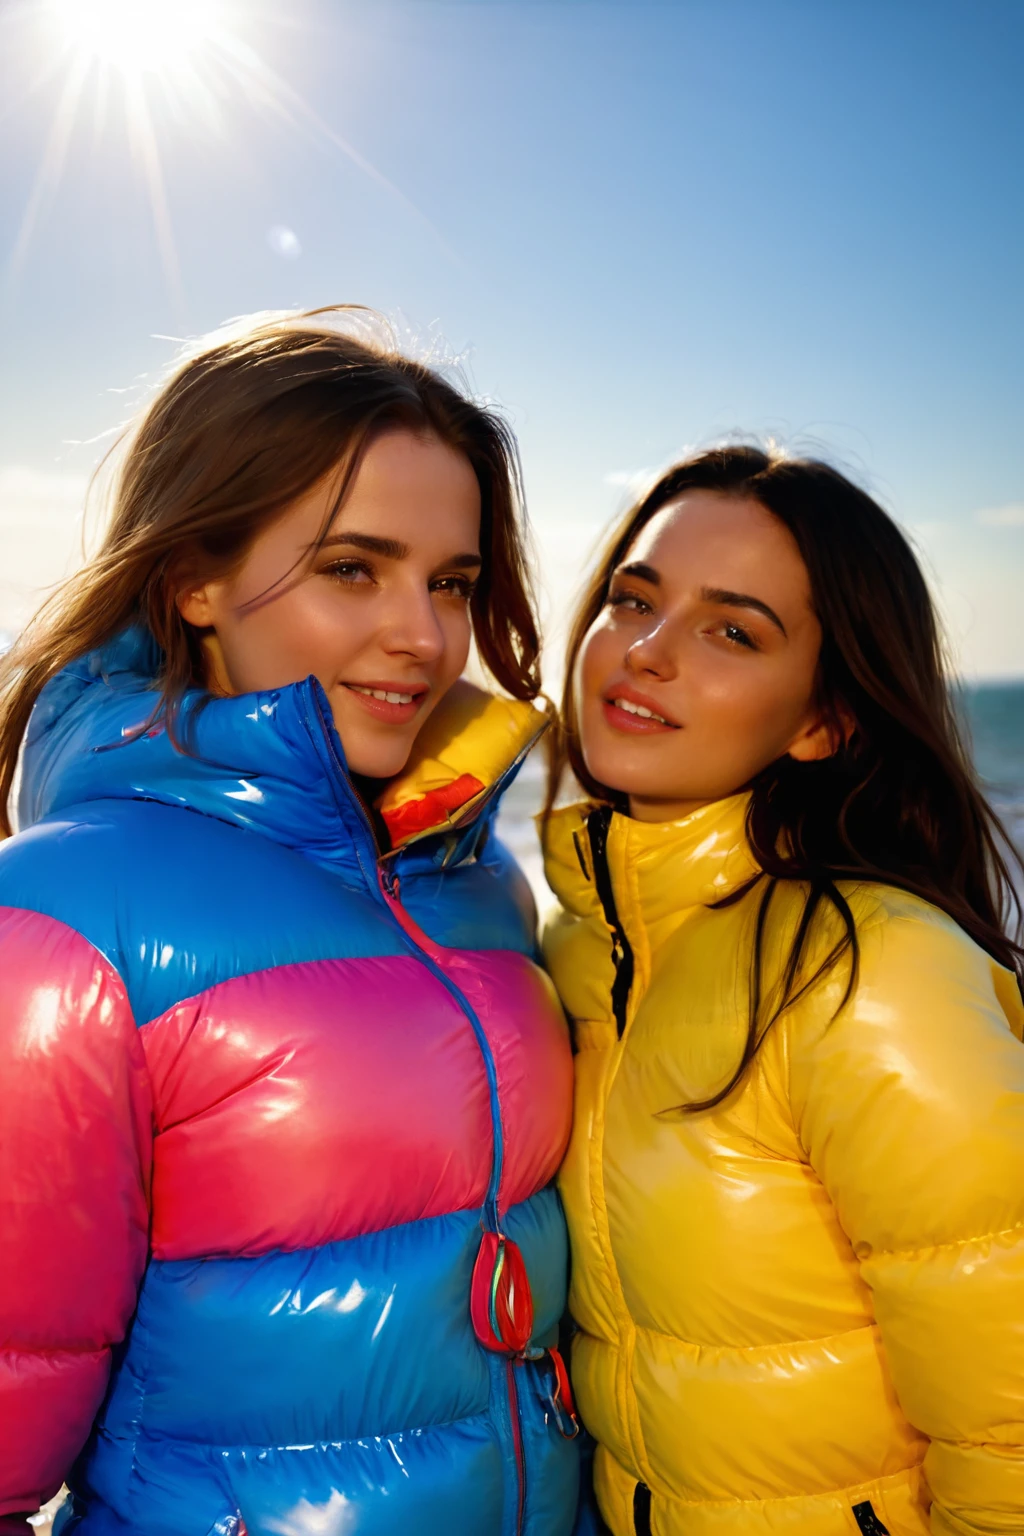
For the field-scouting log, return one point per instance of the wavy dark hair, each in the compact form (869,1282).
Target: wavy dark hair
(899,801)
(248,422)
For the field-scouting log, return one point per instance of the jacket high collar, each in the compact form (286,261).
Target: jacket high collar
(270,762)
(657,869)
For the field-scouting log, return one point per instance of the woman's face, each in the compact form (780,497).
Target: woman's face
(379,613)
(700,669)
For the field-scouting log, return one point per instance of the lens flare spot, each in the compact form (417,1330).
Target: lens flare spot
(284,241)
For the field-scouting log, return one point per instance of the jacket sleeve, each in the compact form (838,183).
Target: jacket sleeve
(75,1146)
(910,1105)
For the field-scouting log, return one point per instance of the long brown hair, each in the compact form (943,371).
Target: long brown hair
(898,802)
(248,422)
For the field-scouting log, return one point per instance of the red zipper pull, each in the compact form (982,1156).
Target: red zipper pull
(561,1398)
(500,1301)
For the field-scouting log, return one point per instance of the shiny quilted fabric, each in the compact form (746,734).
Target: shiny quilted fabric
(802,1310)
(263,1092)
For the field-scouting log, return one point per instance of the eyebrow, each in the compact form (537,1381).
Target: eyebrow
(722,595)
(389,549)
(638,568)
(741,600)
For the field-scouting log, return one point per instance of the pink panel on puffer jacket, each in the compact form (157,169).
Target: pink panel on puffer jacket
(71,1055)
(522,1017)
(352,1096)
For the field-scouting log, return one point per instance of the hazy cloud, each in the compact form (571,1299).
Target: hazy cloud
(628,479)
(29,497)
(41,534)
(1011,516)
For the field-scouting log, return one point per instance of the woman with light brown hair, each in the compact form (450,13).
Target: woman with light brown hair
(284,1090)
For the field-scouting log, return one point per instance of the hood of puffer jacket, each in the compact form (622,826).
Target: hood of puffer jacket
(270,762)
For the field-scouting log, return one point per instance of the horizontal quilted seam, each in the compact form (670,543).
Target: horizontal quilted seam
(995,1447)
(753,1349)
(847,1493)
(317,1446)
(1016,1232)
(55,1351)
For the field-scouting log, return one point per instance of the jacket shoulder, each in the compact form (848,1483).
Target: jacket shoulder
(904,945)
(902,935)
(919,1068)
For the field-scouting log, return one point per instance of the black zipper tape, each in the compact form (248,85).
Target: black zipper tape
(867,1521)
(642,1510)
(598,823)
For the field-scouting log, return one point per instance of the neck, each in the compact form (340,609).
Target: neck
(215,671)
(644,808)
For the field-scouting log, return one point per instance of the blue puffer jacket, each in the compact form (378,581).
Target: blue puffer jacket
(277,1230)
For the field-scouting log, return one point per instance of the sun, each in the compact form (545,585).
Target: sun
(137,37)
(150,67)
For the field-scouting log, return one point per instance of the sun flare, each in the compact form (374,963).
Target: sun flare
(137,36)
(146,72)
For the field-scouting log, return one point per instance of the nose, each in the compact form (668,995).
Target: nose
(412,627)
(652,653)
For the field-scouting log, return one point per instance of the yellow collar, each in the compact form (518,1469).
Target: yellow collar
(656,867)
(469,742)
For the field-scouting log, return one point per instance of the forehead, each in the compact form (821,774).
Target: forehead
(414,478)
(405,486)
(398,464)
(710,539)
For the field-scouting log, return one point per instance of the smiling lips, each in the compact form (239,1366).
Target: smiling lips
(390,702)
(627,710)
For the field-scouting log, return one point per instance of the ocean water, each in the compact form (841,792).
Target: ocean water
(993,714)
(995,722)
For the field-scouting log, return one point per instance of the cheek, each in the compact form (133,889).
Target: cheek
(597,660)
(300,632)
(752,710)
(457,627)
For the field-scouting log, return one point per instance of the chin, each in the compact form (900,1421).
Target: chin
(613,775)
(376,764)
(632,778)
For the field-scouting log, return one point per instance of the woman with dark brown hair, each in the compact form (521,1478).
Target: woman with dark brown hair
(284,1090)
(795,1185)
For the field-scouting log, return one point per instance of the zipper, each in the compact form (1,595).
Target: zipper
(598,823)
(383,880)
(390,887)
(868,1522)
(642,1510)
(517,1442)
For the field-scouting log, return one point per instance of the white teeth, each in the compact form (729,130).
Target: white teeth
(638,709)
(379,693)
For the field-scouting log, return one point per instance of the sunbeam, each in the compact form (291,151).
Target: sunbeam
(187,55)
(54,155)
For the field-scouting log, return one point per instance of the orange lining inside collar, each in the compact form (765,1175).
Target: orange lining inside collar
(429,810)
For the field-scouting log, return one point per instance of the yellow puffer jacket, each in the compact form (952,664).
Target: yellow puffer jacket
(801,1311)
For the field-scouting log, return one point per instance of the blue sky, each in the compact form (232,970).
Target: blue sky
(645,225)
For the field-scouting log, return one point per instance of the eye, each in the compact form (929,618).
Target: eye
(737,635)
(460,587)
(633,601)
(350,571)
